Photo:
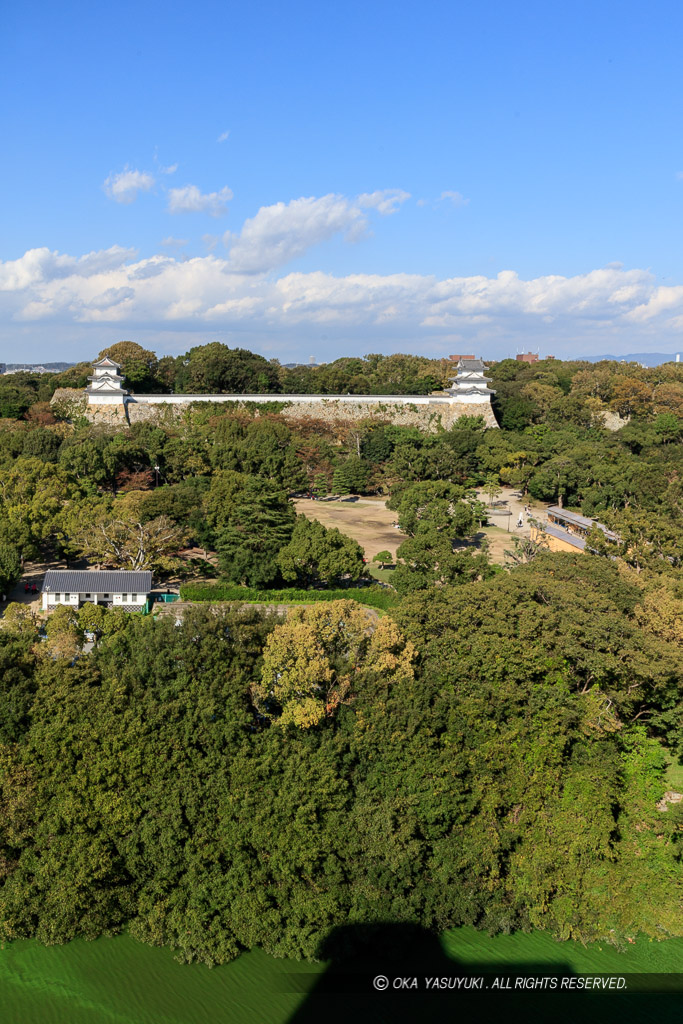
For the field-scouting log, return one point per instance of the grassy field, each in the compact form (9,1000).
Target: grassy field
(674,775)
(119,981)
(381,575)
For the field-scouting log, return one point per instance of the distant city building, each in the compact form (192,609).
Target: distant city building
(25,368)
(117,588)
(530,357)
(456,359)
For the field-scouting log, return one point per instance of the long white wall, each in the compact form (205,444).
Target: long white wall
(473,399)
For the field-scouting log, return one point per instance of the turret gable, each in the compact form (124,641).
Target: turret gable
(107,362)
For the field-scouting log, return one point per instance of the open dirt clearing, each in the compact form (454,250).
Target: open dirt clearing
(368,522)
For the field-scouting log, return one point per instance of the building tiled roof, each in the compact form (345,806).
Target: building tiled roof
(107,362)
(472,364)
(96,581)
(577,520)
(570,538)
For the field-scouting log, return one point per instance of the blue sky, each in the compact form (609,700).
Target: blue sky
(335,179)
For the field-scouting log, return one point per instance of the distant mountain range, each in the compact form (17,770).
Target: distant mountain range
(646,358)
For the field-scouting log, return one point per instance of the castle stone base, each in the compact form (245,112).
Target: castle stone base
(428,412)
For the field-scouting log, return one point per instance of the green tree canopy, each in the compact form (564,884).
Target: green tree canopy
(317,555)
(10,567)
(138,364)
(249,522)
(439,504)
(216,369)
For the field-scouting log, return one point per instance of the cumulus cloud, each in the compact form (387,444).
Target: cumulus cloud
(189,199)
(125,186)
(165,293)
(284,231)
(42,266)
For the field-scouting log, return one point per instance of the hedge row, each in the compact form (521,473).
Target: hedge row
(221,592)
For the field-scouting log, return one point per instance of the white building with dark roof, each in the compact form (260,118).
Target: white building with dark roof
(106,383)
(471,385)
(113,589)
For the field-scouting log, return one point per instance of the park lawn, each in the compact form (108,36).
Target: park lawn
(674,774)
(381,575)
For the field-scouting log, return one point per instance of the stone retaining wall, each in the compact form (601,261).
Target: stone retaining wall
(424,411)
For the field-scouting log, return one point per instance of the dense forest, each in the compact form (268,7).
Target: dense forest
(492,750)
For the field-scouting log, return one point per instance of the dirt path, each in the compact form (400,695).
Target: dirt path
(503,519)
(32,574)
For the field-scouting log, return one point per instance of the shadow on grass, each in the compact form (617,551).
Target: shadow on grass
(419,982)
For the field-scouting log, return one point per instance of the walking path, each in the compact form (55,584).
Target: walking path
(510,506)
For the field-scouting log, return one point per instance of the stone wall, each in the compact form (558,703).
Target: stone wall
(428,414)
(432,416)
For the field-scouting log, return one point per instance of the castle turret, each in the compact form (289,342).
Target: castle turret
(106,384)
(471,386)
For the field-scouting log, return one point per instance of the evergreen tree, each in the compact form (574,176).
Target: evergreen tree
(318,555)
(10,567)
(250,521)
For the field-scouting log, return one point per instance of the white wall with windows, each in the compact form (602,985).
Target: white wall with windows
(51,600)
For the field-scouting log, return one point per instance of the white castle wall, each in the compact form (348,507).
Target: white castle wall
(475,399)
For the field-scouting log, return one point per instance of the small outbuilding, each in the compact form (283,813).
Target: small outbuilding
(112,588)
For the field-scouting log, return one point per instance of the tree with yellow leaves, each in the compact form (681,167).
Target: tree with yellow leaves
(314,661)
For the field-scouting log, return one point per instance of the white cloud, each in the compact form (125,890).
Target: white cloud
(223,136)
(284,231)
(189,199)
(173,243)
(125,186)
(169,170)
(41,266)
(385,201)
(590,311)
(174,295)
(456,198)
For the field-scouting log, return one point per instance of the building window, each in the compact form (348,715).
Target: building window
(67,596)
(88,595)
(105,595)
